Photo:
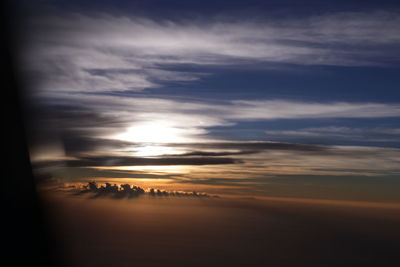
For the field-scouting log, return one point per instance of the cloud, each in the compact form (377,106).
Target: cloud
(335,186)
(280,109)
(195,116)
(219,112)
(86,71)
(93,122)
(117,191)
(112,161)
(193,120)
(375,134)
(88,65)
(103,52)
(254,146)
(230,160)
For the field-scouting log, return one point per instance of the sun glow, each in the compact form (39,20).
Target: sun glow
(159,132)
(152,138)
(155,150)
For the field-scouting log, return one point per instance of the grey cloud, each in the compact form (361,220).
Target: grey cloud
(60,170)
(215,154)
(355,186)
(75,144)
(259,146)
(126,190)
(377,134)
(110,161)
(281,109)
(71,128)
(87,125)
(194,157)
(239,182)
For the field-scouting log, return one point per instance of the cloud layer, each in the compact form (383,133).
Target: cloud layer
(93,78)
(102,52)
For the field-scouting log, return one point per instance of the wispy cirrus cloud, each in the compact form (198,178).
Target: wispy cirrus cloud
(86,71)
(79,120)
(73,58)
(102,52)
(219,112)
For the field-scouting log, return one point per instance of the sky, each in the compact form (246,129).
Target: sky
(239,98)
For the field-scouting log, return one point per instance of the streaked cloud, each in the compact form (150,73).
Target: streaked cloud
(377,134)
(97,81)
(103,52)
(136,161)
(119,125)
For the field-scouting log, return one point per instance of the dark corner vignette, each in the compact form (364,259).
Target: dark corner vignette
(26,238)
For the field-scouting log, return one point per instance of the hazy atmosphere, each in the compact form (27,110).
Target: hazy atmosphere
(240,115)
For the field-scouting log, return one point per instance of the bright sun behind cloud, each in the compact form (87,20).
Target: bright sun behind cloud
(155,150)
(151,139)
(153,133)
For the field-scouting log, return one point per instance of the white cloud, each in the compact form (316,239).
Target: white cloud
(278,109)
(238,110)
(74,54)
(193,119)
(65,48)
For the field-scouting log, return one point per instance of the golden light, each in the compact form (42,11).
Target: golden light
(148,169)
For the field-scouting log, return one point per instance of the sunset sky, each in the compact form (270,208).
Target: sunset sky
(254,98)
